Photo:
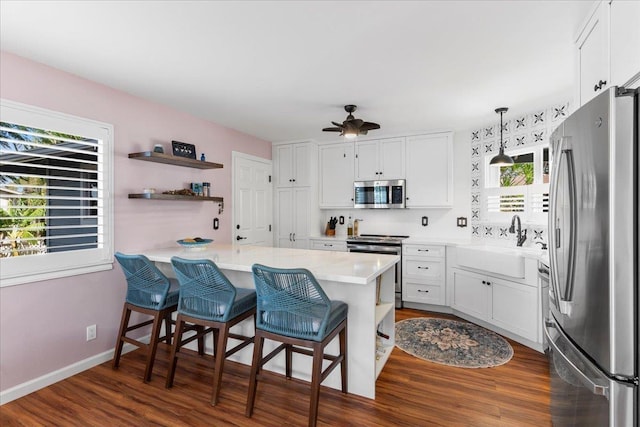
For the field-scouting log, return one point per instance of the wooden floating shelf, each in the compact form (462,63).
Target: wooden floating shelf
(160,196)
(151,156)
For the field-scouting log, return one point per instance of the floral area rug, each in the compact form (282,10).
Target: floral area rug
(452,343)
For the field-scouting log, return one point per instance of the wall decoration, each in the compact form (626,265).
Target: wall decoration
(182,149)
(525,130)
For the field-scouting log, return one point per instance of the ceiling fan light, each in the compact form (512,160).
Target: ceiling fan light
(350,134)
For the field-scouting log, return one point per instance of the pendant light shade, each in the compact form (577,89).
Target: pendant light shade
(501,159)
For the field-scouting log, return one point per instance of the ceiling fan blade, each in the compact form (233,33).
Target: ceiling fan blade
(352,126)
(369,126)
(354,123)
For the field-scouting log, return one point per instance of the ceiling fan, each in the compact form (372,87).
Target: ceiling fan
(352,127)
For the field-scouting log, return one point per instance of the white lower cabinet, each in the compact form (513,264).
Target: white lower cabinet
(423,274)
(509,305)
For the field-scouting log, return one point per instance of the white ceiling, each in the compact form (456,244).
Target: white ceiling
(282,70)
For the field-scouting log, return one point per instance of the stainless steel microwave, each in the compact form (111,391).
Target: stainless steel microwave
(379,194)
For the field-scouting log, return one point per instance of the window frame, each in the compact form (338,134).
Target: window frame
(22,269)
(531,193)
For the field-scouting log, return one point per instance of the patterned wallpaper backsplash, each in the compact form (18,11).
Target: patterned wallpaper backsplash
(524,130)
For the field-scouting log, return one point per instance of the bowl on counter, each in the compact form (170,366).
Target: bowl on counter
(194,244)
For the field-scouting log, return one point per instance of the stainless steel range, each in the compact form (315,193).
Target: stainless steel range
(381,244)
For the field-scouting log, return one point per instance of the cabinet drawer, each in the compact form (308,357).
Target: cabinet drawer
(428,294)
(424,268)
(323,245)
(431,251)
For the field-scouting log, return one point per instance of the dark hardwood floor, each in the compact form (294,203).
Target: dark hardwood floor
(410,392)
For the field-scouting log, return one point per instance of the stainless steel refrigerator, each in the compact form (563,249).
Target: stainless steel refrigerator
(593,330)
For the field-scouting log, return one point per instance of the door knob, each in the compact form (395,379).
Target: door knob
(240,238)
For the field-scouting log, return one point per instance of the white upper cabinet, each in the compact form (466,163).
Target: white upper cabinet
(593,54)
(336,175)
(608,48)
(294,164)
(625,41)
(380,159)
(429,170)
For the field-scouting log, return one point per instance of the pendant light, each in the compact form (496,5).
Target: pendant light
(501,159)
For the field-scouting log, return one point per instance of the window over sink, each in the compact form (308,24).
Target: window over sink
(522,188)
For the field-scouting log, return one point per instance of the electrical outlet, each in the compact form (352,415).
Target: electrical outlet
(91,332)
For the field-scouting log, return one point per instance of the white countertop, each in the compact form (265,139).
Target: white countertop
(346,267)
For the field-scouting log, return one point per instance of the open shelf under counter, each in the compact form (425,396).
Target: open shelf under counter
(381,310)
(151,156)
(382,355)
(160,196)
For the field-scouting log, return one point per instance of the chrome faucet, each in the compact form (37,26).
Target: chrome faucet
(521,236)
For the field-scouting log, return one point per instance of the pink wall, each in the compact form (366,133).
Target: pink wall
(42,324)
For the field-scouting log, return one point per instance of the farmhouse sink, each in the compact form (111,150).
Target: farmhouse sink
(493,259)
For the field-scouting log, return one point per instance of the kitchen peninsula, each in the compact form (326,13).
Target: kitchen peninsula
(364,281)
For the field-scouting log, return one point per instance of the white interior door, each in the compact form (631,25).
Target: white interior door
(252,200)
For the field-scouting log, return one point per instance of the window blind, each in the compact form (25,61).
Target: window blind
(55,182)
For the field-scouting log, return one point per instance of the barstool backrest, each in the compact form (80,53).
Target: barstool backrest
(290,302)
(205,292)
(146,285)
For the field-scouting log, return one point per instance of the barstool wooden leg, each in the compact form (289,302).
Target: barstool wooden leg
(153,344)
(221,348)
(316,379)
(175,349)
(167,328)
(289,360)
(255,368)
(343,352)
(126,314)
(199,331)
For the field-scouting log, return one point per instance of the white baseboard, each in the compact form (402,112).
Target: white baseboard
(46,380)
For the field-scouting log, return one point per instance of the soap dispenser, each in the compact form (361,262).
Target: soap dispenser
(350,228)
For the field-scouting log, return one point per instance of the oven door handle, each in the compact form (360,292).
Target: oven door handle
(374,249)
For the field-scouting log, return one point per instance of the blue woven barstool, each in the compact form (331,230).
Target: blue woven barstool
(294,310)
(209,301)
(149,292)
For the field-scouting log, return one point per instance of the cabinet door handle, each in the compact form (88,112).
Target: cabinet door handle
(290,239)
(599,85)
(423,250)
(423,268)
(420,290)
(294,237)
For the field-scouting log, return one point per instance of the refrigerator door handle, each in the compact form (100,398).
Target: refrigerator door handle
(563,296)
(567,297)
(554,232)
(590,384)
